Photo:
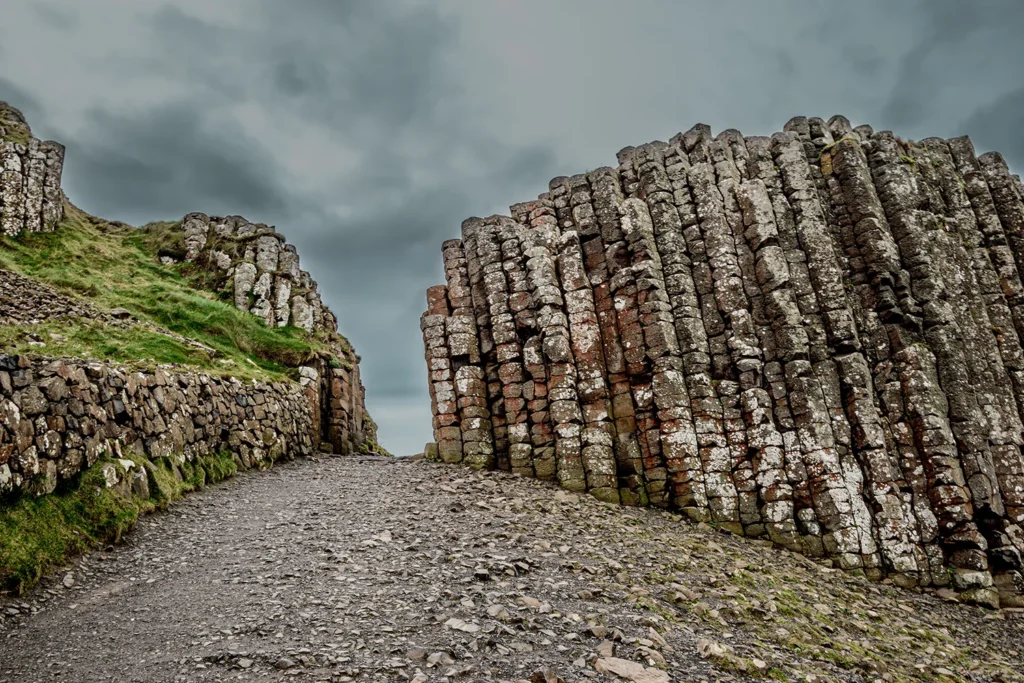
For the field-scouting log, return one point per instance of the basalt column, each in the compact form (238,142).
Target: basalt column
(30,174)
(812,337)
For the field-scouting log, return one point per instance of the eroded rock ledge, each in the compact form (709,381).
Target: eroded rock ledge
(812,337)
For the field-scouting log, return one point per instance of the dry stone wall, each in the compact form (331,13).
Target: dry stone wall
(812,338)
(59,416)
(30,171)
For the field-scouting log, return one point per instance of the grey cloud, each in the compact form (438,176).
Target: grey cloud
(358,66)
(61,18)
(999,126)
(950,30)
(864,58)
(155,163)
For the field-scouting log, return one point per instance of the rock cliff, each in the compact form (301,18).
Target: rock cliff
(30,171)
(812,338)
(258,267)
(253,266)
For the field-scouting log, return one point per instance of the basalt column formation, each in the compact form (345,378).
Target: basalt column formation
(30,172)
(812,338)
(259,270)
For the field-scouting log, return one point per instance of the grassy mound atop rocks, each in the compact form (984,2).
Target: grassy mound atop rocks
(115,267)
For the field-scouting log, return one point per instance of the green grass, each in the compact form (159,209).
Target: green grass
(92,339)
(113,265)
(38,535)
(16,130)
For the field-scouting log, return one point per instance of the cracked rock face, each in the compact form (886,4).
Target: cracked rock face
(30,172)
(263,270)
(811,338)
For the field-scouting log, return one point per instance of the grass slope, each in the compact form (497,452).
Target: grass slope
(114,265)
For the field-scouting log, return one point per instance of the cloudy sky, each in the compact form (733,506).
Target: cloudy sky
(367,130)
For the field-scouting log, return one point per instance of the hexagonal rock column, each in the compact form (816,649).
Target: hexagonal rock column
(30,174)
(813,337)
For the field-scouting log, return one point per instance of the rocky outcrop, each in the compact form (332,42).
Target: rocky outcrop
(811,338)
(59,416)
(253,266)
(30,172)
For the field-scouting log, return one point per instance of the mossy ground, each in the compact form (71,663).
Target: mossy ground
(40,534)
(114,265)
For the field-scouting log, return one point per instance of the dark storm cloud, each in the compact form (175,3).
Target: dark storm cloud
(367,131)
(152,163)
(985,32)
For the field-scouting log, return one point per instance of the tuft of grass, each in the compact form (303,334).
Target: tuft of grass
(162,238)
(113,265)
(97,340)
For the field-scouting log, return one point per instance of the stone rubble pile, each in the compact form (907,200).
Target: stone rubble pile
(30,171)
(59,416)
(25,301)
(812,338)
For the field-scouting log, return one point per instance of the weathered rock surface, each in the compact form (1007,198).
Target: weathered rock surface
(59,416)
(30,171)
(374,569)
(812,338)
(253,266)
(260,269)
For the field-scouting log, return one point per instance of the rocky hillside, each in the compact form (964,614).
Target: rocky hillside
(812,338)
(182,349)
(221,294)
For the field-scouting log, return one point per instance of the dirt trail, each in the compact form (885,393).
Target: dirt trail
(360,568)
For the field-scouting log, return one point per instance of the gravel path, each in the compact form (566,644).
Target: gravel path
(365,568)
